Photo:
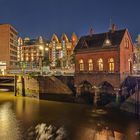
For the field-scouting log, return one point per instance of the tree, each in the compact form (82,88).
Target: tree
(58,63)
(72,59)
(46,61)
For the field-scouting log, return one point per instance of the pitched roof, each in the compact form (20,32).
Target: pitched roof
(96,41)
(35,42)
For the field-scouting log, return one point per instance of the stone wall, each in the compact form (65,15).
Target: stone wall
(41,87)
(30,87)
(132,104)
(95,79)
(53,85)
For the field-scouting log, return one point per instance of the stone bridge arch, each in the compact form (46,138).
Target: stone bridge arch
(96,78)
(86,91)
(106,87)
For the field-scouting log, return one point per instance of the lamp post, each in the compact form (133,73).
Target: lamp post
(43,49)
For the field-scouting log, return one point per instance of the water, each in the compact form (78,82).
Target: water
(19,118)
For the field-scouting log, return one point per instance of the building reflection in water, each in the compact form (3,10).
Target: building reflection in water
(93,125)
(27,107)
(9,125)
(104,134)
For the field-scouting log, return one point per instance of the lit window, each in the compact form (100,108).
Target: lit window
(111,65)
(32,58)
(90,65)
(129,64)
(81,65)
(107,42)
(27,58)
(100,64)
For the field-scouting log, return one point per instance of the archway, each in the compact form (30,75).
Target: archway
(106,87)
(86,91)
(106,93)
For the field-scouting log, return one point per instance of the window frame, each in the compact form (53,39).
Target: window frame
(90,64)
(100,64)
(81,65)
(111,65)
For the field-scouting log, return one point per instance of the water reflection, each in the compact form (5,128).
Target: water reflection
(80,121)
(9,125)
(27,108)
(104,134)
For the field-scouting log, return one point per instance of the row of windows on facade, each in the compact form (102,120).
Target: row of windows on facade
(13,31)
(13,41)
(29,53)
(13,47)
(20,54)
(100,64)
(13,58)
(28,59)
(28,48)
(13,52)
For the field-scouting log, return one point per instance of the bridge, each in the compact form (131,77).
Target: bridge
(102,88)
(7,82)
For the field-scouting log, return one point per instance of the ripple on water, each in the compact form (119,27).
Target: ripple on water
(9,125)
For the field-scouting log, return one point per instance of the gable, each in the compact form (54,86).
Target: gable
(127,37)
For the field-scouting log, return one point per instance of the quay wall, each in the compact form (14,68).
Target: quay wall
(41,87)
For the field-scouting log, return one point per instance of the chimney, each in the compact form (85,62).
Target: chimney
(113,28)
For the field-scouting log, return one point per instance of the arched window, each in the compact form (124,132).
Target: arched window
(100,64)
(90,65)
(111,64)
(126,43)
(81,65)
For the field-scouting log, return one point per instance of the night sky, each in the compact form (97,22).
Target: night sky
(45,17)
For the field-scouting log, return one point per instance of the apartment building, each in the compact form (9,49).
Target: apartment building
(8,47)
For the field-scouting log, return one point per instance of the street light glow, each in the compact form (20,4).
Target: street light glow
(46,49)
(41,47)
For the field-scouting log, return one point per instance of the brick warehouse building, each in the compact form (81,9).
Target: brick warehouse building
(103,59)
(8,47)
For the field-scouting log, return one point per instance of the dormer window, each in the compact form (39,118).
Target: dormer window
(107,42)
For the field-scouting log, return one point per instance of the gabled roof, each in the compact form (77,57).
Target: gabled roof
(34,42)
(96,41)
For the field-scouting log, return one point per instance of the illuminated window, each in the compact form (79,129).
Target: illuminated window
(107,42)
(81,65)
(111,64)
(27,59)
(90,65)
(129,64)
(100,64)
(32,58)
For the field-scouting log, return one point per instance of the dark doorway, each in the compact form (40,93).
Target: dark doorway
(86,93)
(106,93)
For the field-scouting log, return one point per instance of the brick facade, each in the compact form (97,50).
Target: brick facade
(8,46)
(120,50)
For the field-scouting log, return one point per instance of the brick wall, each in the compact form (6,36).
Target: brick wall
(95,55)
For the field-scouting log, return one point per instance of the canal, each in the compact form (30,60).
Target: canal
(19,117)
